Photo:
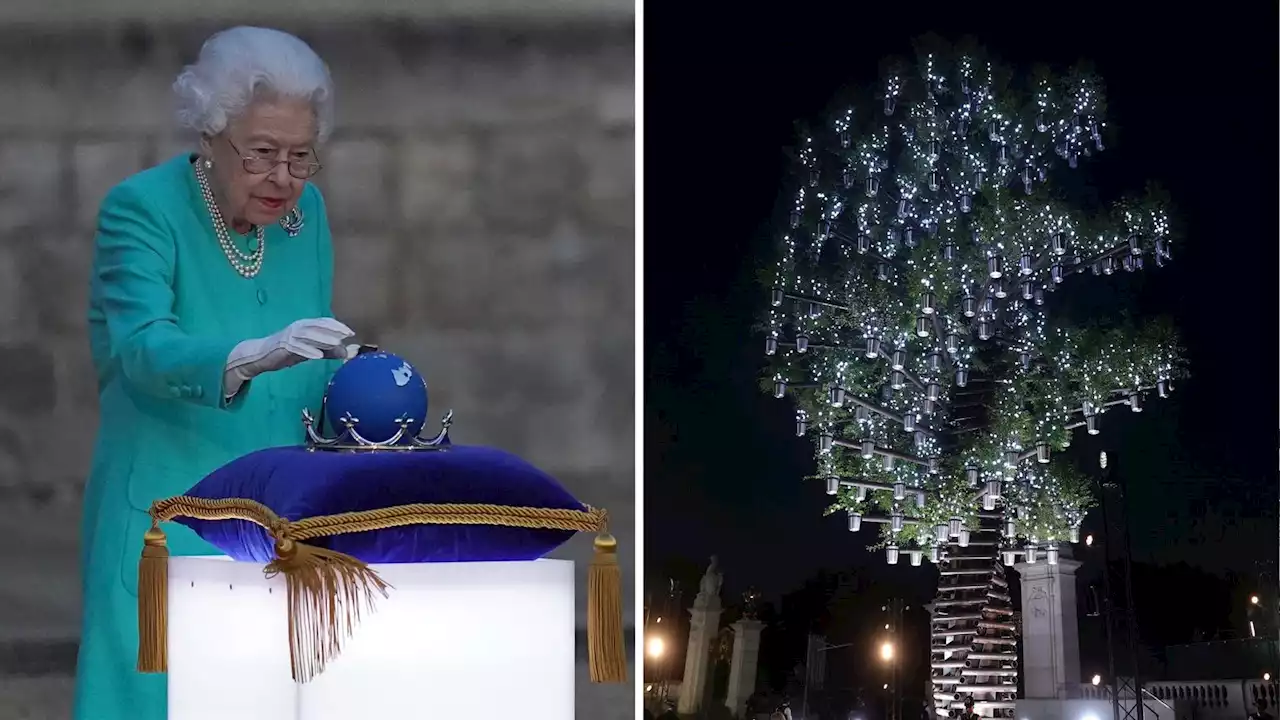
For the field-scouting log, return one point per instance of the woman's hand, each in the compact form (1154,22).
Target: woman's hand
(303,340)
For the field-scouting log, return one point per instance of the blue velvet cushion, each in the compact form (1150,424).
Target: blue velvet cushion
(298,484)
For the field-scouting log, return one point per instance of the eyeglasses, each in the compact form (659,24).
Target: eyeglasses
(259,165)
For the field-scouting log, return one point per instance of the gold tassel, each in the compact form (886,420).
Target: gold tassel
(153,603)
(326,592)
(605,649)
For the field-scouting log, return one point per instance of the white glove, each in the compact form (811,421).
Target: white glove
(303,340)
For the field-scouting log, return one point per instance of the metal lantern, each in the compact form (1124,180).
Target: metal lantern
(1056,273)
(920,495)
(882,272)
(1025,264)
(802,343)
(920,439)
(1038,296)
(1010,529)
(933,361)
(770,345)
(963,538)
(954,526)
(813,309)
(887,460)
(1003,155)
(864,243)
(873,346)
(891,554)
(1009,557)
(860,492)
(952,343)
(998,289)
(904,207)
(833,485)
(971,475)
(1129,263)
(917,557)
(948,251)
(779,388)
(985,329)
(1027,186)
(909,237)
(824,442)
(928,303)
(966,203)
(1041,124)
(1091,424)
(969,306)
(935,181)
(1163,387)
(989,303)
(933,391)
(855,522)
(860,413)
(1030,553)
(1135,401)
(889,104)
(899,491)
(993,489)
(1134,247)
(897,380)
(836,396)
(1011,459)
(1024,359)
(776,297)
(845,138)
(993,131)
(846,178)
(1042,452)
(795,219)
(895,523)
(813,178)
(1108,265)
(933,470)
(868,448)
(962,377)
(935,148)
(1074,533)
(1051,555)
(873,185)
(922,326)
(941,531)
(935,554)
(995,266)
(979,179)
(1028,289)
(988,503)
(908,422)
(802,427)
(1058,243)
(899,360)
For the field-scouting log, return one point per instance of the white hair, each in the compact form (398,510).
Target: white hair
(242,64)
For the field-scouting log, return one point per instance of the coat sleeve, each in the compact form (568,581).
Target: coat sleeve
(133,268)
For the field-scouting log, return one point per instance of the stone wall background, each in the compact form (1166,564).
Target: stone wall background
(481,190)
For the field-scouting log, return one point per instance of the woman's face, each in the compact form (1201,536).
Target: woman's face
(275,130)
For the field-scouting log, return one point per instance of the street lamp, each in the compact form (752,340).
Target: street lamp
(655,647)
(886,651)
(1097,679)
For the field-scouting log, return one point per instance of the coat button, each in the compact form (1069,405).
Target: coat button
(262,297)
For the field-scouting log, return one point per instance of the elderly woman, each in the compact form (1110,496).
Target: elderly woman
(209,321)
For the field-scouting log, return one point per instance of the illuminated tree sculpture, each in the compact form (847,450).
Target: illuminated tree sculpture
(913,297)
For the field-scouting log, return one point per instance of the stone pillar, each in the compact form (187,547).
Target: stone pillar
(743,664)
(704,625)
(1050,631)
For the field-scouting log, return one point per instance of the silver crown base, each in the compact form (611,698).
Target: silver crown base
(350,440)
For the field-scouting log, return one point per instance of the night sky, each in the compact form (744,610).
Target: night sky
(1193,93)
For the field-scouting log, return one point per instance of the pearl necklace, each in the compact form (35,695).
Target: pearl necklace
(248,265)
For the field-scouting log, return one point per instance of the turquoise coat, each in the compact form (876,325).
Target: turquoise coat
(165,310)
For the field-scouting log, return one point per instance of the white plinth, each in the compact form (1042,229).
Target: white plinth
(466,640)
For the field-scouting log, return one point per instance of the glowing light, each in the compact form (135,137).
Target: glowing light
(655,647)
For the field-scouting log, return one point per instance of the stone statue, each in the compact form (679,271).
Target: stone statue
(711,579)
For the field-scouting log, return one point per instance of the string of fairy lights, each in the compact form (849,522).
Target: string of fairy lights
(908,316)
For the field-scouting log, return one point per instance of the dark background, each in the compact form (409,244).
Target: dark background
(1193,94)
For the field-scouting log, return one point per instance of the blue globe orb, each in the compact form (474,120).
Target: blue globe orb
(378,389)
